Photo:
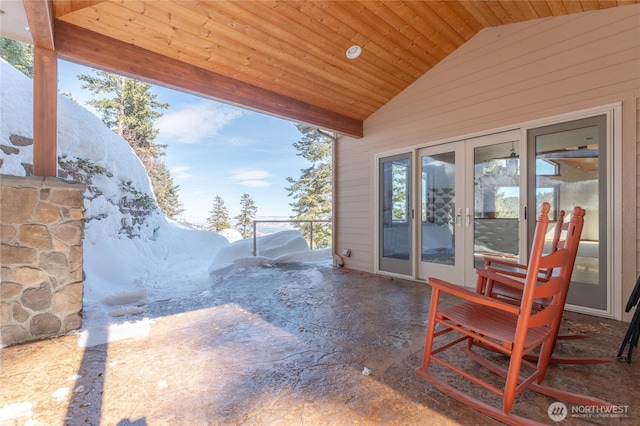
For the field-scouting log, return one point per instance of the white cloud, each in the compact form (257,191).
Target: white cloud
(254,183)
(239,141)
(181,172)
(251,178)
(193,122)
(250,174)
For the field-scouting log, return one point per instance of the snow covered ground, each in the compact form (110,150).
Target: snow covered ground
(167,260)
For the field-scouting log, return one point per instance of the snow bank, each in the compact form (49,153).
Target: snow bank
(232,235)
(280,247)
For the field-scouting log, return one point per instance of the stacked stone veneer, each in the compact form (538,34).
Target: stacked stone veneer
(41,230)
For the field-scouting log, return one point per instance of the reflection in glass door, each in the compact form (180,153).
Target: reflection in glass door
(469,205)
(496,202)
(441,233)
(395,215)
(438,208)
(569,169)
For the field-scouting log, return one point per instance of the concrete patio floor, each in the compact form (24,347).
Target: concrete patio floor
(284,346)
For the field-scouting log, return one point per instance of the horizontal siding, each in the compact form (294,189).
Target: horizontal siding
(502,77)
(356,200)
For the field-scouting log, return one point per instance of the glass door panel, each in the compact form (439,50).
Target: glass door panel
(438,208)
(496,181)
(569,169)
(395,215)
(441,222)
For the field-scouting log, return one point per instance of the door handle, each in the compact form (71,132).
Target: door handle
(468,217)
(459,216)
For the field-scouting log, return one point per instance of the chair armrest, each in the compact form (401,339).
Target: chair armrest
(490,261)
(472,296)
(498,277)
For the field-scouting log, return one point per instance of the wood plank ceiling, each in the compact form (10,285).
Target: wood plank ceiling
(286,57)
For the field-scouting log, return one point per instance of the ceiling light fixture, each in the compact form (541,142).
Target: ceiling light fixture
(354,51)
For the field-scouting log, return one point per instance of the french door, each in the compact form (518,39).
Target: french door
(469,205)
(479,197)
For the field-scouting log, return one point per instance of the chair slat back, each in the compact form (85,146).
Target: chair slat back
(555,289)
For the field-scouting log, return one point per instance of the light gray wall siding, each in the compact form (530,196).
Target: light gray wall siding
(502,77)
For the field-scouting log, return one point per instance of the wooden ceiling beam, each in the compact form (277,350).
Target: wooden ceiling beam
(40,17)
(88,48)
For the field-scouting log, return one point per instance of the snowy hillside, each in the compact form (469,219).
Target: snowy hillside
(133,255)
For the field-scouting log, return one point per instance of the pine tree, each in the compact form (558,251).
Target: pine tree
(246,216)
(312,191)
(130,112)
(18,54)
(164,189)
(219,218)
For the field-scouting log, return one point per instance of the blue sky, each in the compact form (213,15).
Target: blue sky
(217,149)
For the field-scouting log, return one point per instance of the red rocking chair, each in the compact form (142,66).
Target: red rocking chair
(490,284)
(514,330)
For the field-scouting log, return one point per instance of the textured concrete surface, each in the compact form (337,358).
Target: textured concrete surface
(281,345)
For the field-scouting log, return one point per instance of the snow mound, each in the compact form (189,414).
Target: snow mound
(232,235)
(270,246)
(281,247)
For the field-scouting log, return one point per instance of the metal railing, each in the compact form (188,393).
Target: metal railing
(255,222)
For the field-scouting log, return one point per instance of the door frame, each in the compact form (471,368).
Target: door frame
(613,113)
(411,153)
(613,152)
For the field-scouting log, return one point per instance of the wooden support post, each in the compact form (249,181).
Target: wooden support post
(45,112)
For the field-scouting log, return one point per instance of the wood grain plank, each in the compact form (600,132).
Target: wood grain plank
(424,46)
(513,11)
(89,48)
(541,8)
(467,27)
(572,6)
(45,112)
(528,10)
(457,29)
(500,11)
(442,34)
(480,12)
(589,5)
(557,7)
(40,17)
(443,46)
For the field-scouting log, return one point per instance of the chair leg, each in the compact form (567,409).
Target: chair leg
(543,389)
(431,329)
(480,406)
